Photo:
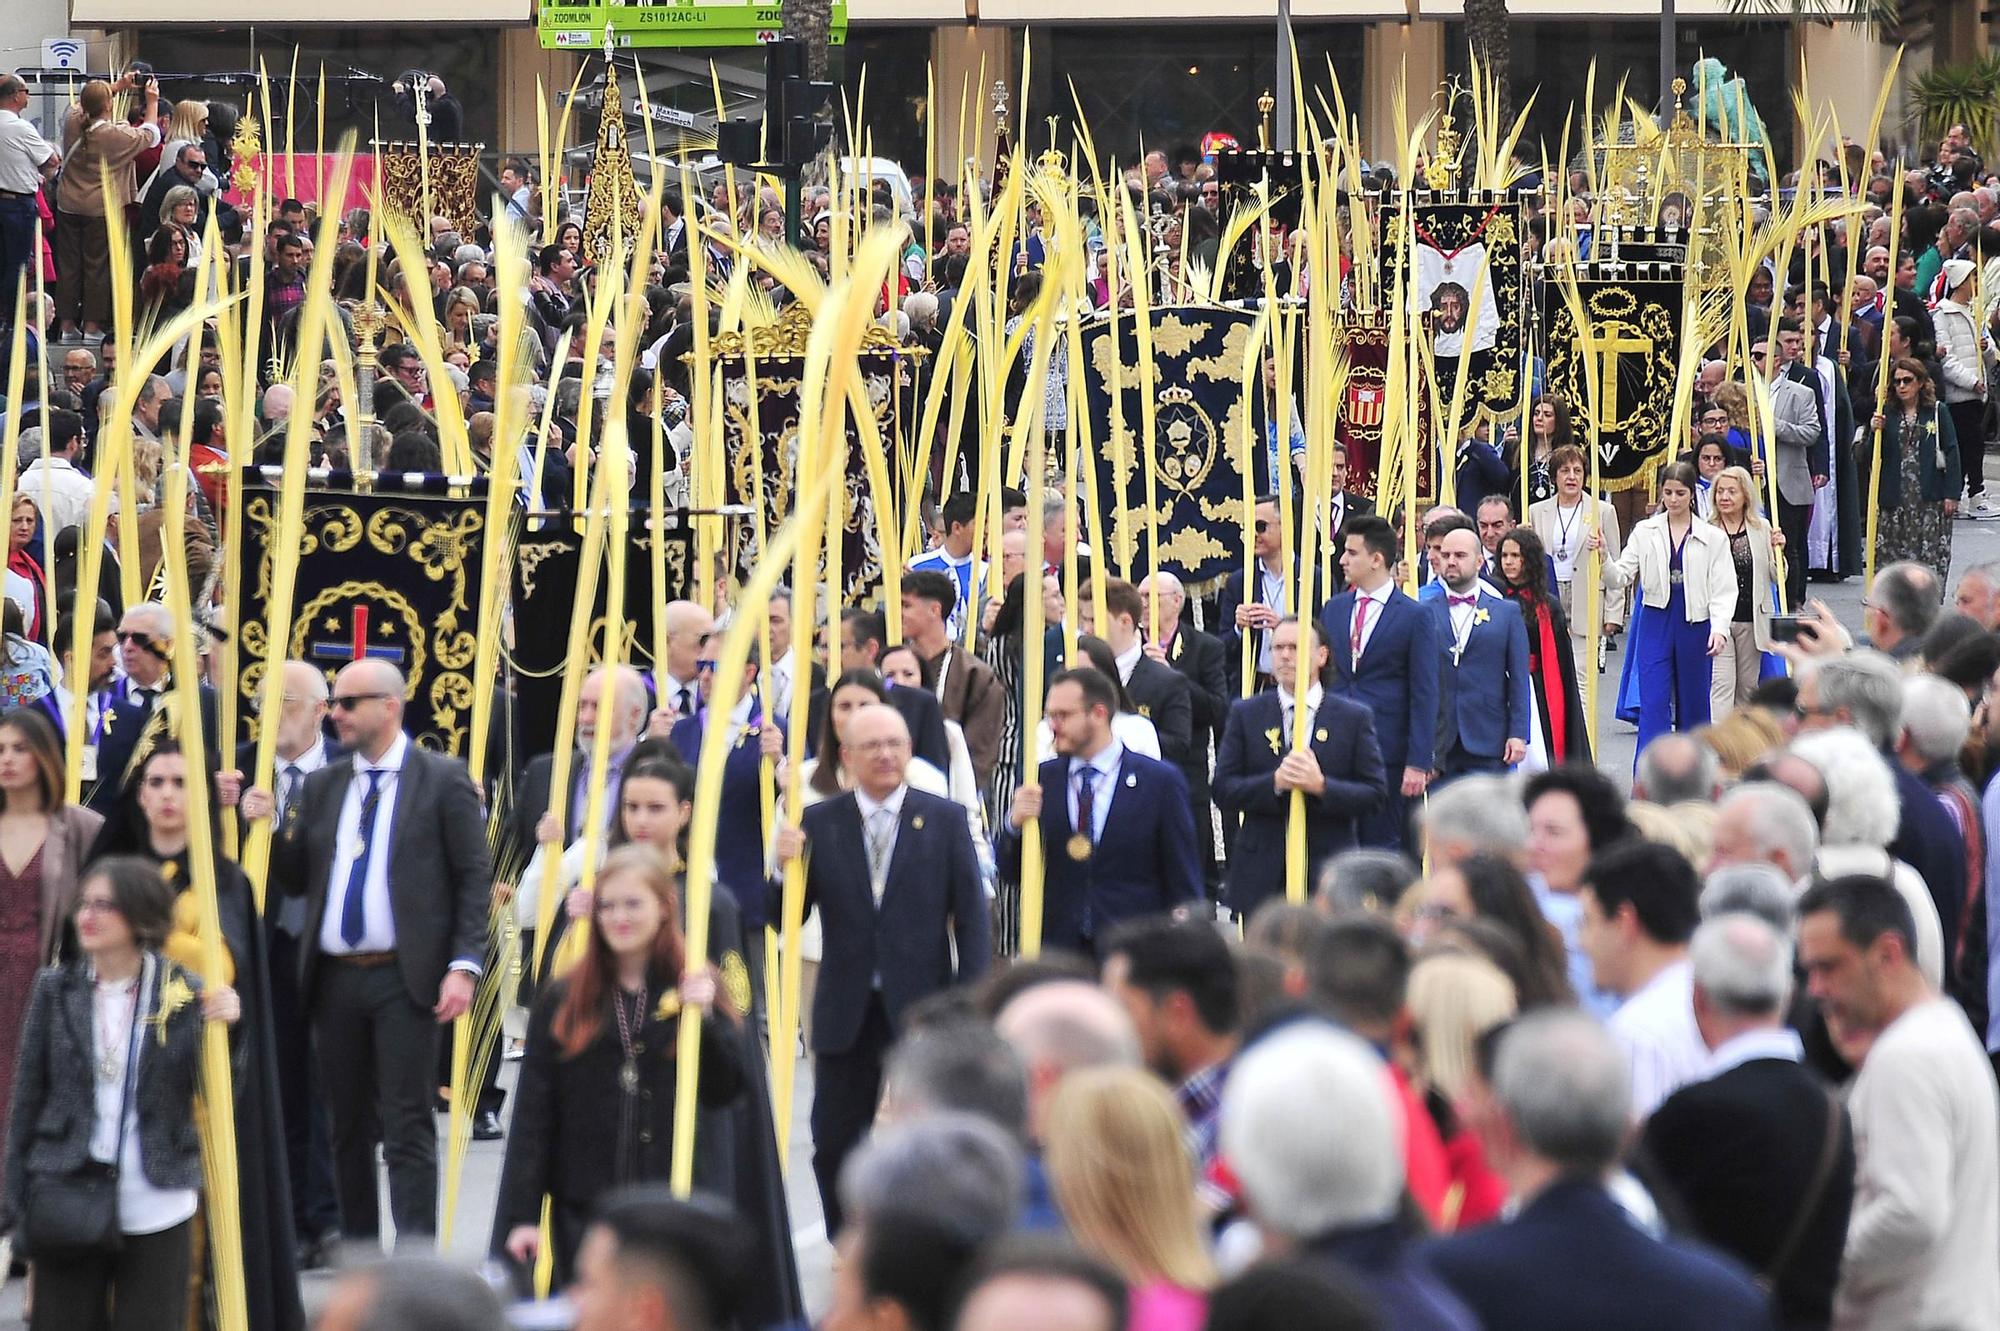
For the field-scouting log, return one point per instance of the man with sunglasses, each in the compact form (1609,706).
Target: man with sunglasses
(1255,611)
(390,845)
(145,655)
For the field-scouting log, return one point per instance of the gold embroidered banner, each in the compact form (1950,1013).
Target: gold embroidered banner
(1632,330)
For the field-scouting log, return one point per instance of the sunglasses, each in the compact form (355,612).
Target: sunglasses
(133,635)
(347,702)
(1263,525)
(1904,380)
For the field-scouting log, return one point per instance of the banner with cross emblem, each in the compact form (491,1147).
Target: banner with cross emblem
(383,576)
(1632,333)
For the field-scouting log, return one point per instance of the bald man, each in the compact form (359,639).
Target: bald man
(679,692)
(610,706)
(390,846)
(893,875)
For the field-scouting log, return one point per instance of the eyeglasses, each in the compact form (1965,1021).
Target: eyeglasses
(347,702)
(98,906)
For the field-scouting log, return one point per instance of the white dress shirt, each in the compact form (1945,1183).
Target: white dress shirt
(673,690)
(879,821)
(1106,764)
(22,152)
(1128,660)
(1285,700)
(1376,600)
(1656,1027)
(378,918)
(1762,1042)
(782,670)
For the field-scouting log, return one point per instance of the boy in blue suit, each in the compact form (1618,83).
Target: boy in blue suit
(1483,666)
(1117,834)
(1385,657)
(1256,772)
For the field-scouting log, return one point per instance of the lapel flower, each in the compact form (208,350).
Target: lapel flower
(1481,615)
(1275,738)
(174,995)
(668,1006)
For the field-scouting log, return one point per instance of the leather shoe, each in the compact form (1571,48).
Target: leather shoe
(486,1126)
(317,1253)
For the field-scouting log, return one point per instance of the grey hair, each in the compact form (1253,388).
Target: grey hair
(954,1168)
(1742,964)
(1869,686)
(424,1294)
(29,445)
(1365,882)
(1305,1174)
(1762,890)
(1565,1085)
(1485,811)
(960,1066)
(1677,767)
(175,197)
(1909,594)
(1936,717)
(1861,803)
(1780,820)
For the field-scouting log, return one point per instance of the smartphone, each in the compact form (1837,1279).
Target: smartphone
(1787,628)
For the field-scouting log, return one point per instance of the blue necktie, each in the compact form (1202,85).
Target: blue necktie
(351,922)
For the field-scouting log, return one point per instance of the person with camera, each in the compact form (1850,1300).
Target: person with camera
(103,1161)
(96,185)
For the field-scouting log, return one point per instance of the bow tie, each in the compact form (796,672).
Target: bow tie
(1472,599)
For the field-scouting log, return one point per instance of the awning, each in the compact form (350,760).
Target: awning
(227,13)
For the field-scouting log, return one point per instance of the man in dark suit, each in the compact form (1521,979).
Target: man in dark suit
(1571,1259)
(302,749)
(1385,654)
(739,824)
(893,876)
(1198,658)
(1482,667)
(390,846)
(1340,506)
(1117,840)
(1252,610)
(1760,1154)
(861,635)
(1157,690)
(1257,769)
(145,646)
(620,718)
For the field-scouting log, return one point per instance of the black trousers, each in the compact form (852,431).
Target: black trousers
(1968,421)
(1793,519)
(1460,761)
(137,1288)
(1388,827)
(308,1142)
(846,1088)
(377,1057)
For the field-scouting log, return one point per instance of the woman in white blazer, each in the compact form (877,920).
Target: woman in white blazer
(1754,546)
(1563,521)
(1688,583)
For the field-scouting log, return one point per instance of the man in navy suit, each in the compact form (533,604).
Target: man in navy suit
(1117,837)
(740,831)
(1254,610)
(145,650)
(1256,771)
(1571,1259)
(1385,653)
(1483,667)
(892,873)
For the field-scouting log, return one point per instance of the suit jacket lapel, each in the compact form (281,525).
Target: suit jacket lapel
(76,1007)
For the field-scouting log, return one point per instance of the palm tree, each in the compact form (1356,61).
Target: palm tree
(811,21)
(1486,32)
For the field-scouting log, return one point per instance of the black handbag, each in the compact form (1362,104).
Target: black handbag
(75,1215)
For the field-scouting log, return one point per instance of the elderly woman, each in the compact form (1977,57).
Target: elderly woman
(179,208)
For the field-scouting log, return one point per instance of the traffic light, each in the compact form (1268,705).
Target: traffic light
(736,142)
(792,134)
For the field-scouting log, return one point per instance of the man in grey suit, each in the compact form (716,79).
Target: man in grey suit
(389,847)
(1802,462)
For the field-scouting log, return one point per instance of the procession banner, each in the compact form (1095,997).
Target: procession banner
(384,575)
(1198,411)
(1633,334)
(543,595)
(761,430)
(1364,406)
(1470,280)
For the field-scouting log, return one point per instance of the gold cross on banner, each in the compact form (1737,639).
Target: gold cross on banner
(1608,344)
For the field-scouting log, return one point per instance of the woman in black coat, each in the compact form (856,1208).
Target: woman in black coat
(594,1107)
(1523,575)
(113,1035)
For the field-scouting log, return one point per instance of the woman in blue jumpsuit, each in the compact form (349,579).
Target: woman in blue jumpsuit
(1688,584)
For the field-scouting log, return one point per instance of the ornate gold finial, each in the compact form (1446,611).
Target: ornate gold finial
(1443,168)
(1265,105)
(245,146)
(1680,89)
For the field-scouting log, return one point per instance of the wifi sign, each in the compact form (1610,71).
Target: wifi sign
(62,53)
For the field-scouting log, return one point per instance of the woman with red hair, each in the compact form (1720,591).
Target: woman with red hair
(595,1102)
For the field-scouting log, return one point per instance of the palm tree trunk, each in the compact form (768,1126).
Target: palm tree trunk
(811,22)
(1486,31)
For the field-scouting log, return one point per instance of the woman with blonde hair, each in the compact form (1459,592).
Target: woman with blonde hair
(96,148)
(1455,998)
(1741,738)
(1734,399)
(1754,547)
(1120,1174)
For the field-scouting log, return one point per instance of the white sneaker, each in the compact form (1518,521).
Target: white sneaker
(1983,509)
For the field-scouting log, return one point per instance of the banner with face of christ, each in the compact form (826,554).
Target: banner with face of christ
(1467,274)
